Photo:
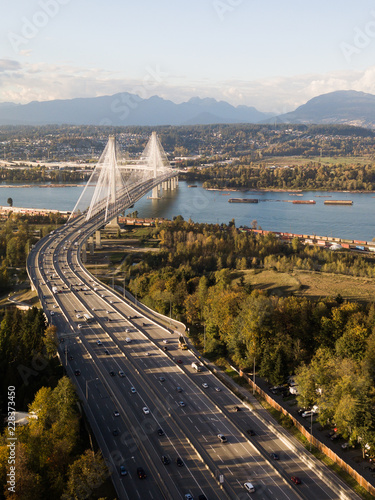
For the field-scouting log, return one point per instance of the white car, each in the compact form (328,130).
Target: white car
(165,341)
(181,403)
(121,373)
(205,385)
(249,487)
(217,389)
(145,410)
(128,340)
(133,390)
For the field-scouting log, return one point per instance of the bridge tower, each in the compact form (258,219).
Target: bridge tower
(105,185)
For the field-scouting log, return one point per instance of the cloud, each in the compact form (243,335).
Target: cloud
(9,65)
(278,95)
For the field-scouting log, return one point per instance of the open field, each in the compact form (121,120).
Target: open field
(283,161)
(312,284)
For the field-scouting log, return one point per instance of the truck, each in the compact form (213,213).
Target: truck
(182,343)
(197,366)
(88,317)
(55,289)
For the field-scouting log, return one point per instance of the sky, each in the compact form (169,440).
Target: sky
(271,54)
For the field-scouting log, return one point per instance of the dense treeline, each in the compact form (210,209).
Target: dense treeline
(41,174)
(308,177)
(17,235)
(193,276)
(25,345)
(51,461)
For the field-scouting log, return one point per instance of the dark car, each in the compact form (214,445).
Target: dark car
(165,460)
(178,389)
(123,471)
(115,432)
(112,373)
(179,462)
(141,473)
(77,372)
(106,351)
(295,480)
(250,432)
(160,432)
(274,456)
(237,408)
(202,497)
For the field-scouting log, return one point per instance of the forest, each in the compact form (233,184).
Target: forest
(51,458)
(336,177)
(329,344)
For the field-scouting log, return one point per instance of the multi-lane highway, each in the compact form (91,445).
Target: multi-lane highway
(146,404)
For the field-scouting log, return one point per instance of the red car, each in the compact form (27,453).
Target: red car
(179,361)
(295,480)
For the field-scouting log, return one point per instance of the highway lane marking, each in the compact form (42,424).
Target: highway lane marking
(190,420)
(230,471)
(204,437)
(197,428)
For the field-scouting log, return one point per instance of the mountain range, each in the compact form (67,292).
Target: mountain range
(340,107)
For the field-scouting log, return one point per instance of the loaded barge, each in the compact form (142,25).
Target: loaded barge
(243,200)
(338,202)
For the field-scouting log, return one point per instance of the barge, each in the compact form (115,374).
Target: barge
(243,200)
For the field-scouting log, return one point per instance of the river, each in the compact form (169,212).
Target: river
(356,221)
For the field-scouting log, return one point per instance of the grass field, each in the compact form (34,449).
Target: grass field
(283,161)
(312,284)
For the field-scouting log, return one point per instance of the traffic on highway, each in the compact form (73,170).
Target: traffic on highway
(167,429)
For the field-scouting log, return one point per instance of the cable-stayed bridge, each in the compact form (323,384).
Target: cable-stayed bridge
(117,183)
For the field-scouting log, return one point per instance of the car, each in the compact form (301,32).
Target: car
(249,487)
(116,413)
(148,354)
(127,330)
(188,496)
(77,372)
(80,326)
(179,389)
(217,389)
(145,410)
(141,473)
(108,312)
(123,471)
(106,351)
(179,361)
(71,357)
(161,379)
(128,340)
(202,497)
(307,413)
(274,456)
(165,341)
(165,460)
(115,432)
(181,403)
(99,342)
(52,314)
(160,432)
(237,408)
(205,385)
(112,373)
(222,438)
(133,390)
(121,373)
(250,432)
(295,480)
(111,301)
(165,347)
(179,462)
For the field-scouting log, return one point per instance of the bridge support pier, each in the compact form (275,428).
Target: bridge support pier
(156,191)
(91,245)
(98,239)
(84,253)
